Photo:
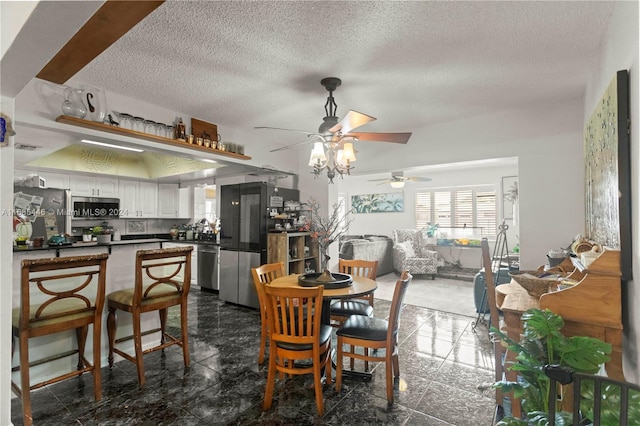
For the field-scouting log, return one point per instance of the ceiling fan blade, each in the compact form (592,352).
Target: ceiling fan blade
(419,179)
(380,180)
(381,137)
(312,136)
(287,130)
(352,120)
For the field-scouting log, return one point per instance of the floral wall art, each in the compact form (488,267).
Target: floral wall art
(608,172)
(378,203)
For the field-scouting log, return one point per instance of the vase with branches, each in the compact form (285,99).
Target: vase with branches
(325,230)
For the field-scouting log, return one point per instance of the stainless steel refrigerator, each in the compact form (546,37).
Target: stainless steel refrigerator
(45,208)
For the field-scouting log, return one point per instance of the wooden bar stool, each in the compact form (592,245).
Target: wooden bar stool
(162,280)
(56,295)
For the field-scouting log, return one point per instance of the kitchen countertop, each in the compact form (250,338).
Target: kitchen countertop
(110,244)
(80,245)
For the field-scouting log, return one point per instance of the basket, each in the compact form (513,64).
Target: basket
(536,287)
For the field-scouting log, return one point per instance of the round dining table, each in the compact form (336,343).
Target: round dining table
(361,286)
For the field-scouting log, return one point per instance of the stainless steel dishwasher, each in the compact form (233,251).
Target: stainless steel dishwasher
(208,267)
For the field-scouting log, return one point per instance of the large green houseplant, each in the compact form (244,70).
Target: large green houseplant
(543,344)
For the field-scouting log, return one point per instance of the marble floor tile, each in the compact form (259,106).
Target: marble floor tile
(442,360)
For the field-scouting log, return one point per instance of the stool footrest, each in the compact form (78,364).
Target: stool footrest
(144,333)
(48,359)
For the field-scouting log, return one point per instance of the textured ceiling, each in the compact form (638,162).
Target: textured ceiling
(410,64)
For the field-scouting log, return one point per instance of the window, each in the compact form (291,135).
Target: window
(467,206)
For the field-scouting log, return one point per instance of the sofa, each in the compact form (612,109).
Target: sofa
(368,247)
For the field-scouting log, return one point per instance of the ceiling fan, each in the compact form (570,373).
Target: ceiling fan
(397,179)
(333,131)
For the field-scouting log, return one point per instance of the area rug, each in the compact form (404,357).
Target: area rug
(441,294)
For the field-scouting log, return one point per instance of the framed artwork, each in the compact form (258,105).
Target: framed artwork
(136,226)
(509,196)
(608,172)
(378,203)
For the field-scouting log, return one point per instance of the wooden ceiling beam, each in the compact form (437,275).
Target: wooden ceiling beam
(108,24)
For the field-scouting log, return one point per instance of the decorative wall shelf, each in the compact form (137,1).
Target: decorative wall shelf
(94,125)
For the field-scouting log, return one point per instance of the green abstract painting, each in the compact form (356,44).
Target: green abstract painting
(378,203)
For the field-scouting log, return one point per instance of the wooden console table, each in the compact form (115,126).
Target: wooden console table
(592,307)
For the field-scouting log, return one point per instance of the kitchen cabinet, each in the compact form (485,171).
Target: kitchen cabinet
(52,180)
(138,199)
(168,200)
(94,186)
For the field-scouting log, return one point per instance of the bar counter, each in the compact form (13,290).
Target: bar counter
(120,275)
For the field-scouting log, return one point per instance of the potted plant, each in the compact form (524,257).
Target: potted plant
(102,235)
(87,235)
(543,344)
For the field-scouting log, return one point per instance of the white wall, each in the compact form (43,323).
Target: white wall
(620,51)
(6,260)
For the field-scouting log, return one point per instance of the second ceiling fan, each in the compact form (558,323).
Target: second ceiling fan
(397,179)
(333,131)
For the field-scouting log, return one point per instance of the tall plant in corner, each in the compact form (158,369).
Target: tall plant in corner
(325,230)
(543,344)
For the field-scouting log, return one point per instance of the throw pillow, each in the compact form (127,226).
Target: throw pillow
(407,248)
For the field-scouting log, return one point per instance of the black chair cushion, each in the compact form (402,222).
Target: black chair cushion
(347,308)
(361,327)
(325,334)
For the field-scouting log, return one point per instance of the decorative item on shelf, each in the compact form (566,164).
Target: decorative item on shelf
(180,130)
(73,105)
(325,230)
(87,235)
(96,101)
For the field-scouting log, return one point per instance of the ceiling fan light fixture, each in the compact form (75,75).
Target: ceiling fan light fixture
(317,154)
(397,184)
(347,152)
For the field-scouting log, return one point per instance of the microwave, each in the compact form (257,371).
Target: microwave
(95,208)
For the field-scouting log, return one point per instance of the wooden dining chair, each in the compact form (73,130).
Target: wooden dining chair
(375,333)
(296,333)
(262,275)
(162,280)
(342,309)
(56,295)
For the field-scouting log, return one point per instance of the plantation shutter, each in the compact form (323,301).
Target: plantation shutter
(486,212)
(463,208)
(423,209)
(442,208)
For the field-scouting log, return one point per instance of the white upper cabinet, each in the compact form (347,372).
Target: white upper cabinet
(138,199)
(94,186)
(56,180)
(52,180)
(149,199)
(128,193)
(168,200)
